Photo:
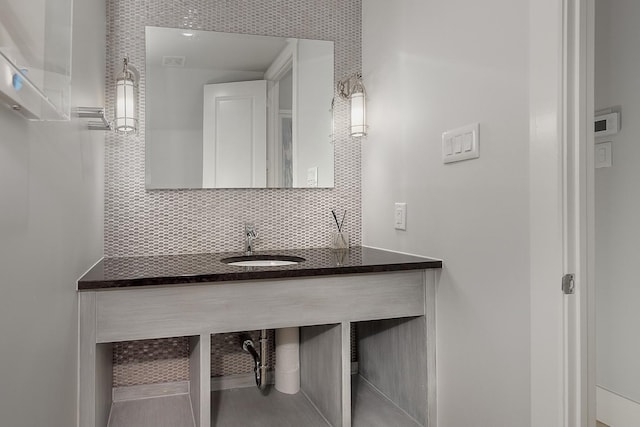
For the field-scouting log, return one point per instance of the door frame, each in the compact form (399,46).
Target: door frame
(580,211)
(286,61)
(561,209)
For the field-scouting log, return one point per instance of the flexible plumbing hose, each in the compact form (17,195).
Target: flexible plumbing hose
(247,345)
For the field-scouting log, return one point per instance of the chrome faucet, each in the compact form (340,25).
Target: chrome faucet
(250,235)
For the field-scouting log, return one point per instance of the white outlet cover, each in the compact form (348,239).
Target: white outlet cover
(400,216)
(312,177)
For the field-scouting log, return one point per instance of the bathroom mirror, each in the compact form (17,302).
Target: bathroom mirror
(237,111)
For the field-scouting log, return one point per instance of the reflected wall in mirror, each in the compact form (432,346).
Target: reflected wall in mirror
(237,111)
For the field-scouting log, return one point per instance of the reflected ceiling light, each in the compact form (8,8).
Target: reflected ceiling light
(126,118)
(352,89)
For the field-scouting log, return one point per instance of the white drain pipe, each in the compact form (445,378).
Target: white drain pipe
(287,360)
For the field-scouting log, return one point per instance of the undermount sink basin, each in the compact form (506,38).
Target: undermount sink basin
(262,260)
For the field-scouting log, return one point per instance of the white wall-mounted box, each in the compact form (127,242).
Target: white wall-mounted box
(35,58)
(606,124)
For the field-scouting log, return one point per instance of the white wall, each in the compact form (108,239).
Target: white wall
(429,67)
(51,210)
(617,201)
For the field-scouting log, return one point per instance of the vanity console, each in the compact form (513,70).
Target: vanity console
(389,297)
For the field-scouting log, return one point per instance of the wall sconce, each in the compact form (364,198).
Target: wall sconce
(126,117)
(352,89)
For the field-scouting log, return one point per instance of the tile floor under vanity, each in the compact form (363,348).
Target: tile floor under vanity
(174,411)
(249,408)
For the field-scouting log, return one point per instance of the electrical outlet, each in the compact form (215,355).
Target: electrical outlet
(312,177)
(400,216)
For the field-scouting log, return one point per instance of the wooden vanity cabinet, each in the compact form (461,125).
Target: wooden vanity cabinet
(394,313)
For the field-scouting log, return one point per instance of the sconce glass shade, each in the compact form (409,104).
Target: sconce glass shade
(352,89)
(358,114)
(126,120)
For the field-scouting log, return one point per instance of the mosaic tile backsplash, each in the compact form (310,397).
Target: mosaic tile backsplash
(150,361)
(158,222)
(163,222)
(167,359)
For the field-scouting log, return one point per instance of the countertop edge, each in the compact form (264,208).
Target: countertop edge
(89,285)
(249,274)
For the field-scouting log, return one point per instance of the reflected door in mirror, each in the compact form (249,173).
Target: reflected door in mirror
(234,141)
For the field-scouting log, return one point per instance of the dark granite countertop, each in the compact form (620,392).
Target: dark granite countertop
(127,272)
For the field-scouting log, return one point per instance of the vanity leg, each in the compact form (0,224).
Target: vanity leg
(96,368)
(104,386)
(200,378)
(346,373)
(430,278)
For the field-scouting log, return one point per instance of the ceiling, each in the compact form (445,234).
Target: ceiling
(210,49)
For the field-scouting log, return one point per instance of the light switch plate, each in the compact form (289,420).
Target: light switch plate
(603,155)
(400,216)
(461,144)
